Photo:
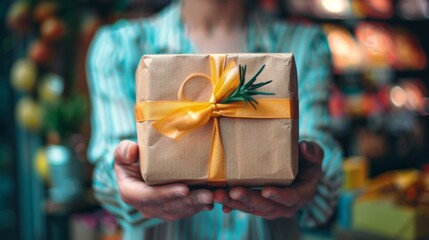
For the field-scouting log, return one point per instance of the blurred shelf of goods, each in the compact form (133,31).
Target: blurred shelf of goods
(46,43)
(379,105)
(379,102)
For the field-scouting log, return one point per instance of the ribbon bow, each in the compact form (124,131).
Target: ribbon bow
(175,119)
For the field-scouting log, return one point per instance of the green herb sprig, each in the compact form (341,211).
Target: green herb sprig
(245,91)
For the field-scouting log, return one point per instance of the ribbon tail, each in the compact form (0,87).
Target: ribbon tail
(217,163)
(179,123)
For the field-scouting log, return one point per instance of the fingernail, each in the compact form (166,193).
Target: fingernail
(234,195)
(309,147)
(126,150)
(180,194)
(265,194)
(269,195)
(203,198)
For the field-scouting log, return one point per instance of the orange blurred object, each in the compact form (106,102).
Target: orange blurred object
(44,10)
(410,94)
(40,52)
(410,55)
(358,8)
(336,103)
(18,16)
(377,43)
(52,29)
(378,8)
(346,54)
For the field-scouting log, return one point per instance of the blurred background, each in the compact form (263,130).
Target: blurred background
(379,107)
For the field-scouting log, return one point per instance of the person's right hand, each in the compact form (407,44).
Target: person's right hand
(168,202)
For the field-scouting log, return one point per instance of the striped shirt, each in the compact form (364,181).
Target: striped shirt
(112,61)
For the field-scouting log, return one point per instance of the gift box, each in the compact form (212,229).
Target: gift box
(395,206)
(355,173)
(218,119)
(388,219)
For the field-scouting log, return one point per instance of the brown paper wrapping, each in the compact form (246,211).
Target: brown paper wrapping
(258,151)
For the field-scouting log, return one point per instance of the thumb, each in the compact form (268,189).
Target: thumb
(127,153)
(127,161)
(311,151)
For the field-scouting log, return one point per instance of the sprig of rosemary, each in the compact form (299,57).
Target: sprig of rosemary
(245,91)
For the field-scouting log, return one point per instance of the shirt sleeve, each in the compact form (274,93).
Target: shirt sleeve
(110,70)
(315,126)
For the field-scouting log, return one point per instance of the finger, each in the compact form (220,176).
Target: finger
(310,164)
(156,195)
(259,205)
(162,213)
(226,209)
(220,196)
(286,212)
(138,193)
(127,173)
(284,196)
(147,212)
(126,161)
(237,205)
(132,188)
(311,151)
(195,200)
(156,213)
(126,153)
(252,198)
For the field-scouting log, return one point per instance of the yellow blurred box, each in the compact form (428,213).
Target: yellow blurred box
(355,173)
(386,218)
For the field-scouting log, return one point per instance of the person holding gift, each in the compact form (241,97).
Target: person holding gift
(174,211)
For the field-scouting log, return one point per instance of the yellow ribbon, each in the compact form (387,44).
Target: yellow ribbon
(175,119)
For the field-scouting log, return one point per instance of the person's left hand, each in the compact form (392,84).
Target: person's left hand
(277,202)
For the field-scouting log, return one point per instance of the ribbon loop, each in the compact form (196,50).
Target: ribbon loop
(181,95)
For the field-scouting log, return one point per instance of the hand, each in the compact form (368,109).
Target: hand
(277,202)
(168,202)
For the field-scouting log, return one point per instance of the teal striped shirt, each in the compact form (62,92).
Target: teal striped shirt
(112,61)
